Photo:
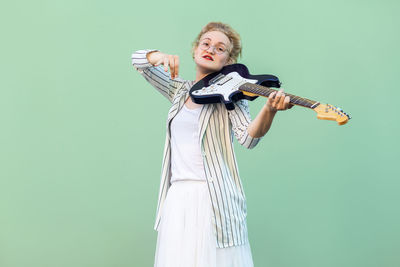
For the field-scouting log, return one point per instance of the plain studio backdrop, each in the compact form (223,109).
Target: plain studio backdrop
(82,132)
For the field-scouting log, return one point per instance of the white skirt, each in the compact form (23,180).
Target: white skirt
(186,235)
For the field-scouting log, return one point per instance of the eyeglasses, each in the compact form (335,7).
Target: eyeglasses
(219,49)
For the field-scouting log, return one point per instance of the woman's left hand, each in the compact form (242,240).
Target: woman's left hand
(278,101)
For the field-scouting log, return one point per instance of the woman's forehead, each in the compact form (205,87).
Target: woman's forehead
(216,36)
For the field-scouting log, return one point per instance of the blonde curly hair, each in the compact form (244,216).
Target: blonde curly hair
(236,45)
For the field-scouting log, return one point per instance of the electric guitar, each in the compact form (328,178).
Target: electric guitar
(234,82)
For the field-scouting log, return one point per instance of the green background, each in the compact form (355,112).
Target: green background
(82,132)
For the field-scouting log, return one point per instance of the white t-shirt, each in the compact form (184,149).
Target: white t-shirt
(186,158)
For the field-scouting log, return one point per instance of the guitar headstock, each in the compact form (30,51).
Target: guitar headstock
(329,112)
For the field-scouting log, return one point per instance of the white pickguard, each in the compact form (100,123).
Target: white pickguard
(225,86)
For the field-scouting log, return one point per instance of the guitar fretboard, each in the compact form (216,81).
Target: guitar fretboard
(266,91)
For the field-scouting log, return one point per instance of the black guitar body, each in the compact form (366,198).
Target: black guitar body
(263,80)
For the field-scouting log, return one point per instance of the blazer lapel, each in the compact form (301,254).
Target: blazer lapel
(176,106)
(178,103)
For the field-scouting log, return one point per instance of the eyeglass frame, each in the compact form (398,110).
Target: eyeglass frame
(213,46)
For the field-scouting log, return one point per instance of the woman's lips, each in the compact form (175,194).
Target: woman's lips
(208,58)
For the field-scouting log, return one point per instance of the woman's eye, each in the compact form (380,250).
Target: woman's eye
(221,49)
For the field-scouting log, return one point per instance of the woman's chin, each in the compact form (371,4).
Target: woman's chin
(207,67)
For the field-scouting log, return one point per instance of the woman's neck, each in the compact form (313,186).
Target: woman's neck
(201,73)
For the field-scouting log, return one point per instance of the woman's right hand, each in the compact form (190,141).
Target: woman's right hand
(156,58)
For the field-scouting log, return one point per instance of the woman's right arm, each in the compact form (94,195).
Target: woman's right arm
(148,63)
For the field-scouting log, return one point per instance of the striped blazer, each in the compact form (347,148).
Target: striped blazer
(217,126)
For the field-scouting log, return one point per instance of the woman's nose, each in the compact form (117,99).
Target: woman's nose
(212,49)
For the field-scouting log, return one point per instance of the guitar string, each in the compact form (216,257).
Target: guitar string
(258,89)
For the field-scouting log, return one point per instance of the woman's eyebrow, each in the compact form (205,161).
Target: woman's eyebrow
(211,40)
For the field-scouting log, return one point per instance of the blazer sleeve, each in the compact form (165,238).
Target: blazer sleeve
(240,119)
(156,76)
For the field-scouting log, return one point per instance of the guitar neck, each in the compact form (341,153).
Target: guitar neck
(266,91)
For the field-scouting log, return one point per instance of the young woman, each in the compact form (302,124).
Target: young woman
(201,212)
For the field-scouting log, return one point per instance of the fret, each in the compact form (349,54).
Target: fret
(266,91)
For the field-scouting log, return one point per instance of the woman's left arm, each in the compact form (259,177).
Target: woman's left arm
(262,122)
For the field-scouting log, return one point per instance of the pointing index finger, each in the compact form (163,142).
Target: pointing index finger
(166,63)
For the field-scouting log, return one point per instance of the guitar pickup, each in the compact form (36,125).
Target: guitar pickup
(224,81)
(216,78)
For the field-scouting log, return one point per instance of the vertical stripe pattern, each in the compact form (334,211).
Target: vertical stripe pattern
(217,126)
